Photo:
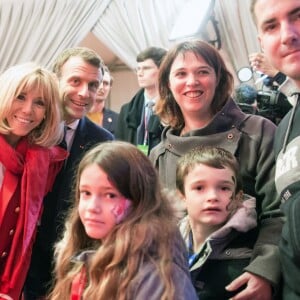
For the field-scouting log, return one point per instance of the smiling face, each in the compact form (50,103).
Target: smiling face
(79,82)
(193,82)
(27,112)
(101,206)
(208,192)
(278,24)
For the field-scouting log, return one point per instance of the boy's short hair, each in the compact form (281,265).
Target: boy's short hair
(214,157)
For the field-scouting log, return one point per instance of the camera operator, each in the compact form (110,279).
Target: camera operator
(245,95)
(259,63)
(271,103)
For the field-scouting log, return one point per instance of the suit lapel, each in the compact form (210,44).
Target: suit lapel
(79,143)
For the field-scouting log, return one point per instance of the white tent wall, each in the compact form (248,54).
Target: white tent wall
(129,26)
(39,29)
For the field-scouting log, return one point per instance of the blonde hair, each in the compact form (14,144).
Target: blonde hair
(146,234)
(26,77)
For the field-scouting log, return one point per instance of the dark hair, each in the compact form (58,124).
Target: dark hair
(86,54)
(154,53)
(127,168)
(167,108)
(214,157)
(106,70)
(245,93)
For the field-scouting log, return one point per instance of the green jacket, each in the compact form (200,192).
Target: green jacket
(250,139)
(287,180)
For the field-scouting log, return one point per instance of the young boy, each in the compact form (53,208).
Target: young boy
(218,226)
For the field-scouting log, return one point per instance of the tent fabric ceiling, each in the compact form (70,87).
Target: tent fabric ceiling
(127,27)
(40,29)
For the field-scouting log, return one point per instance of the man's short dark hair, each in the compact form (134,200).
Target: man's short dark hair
(87,54)
(154,53)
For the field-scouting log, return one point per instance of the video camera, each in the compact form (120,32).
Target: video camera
(272,104)
(268,98)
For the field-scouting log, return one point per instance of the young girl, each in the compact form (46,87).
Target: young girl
(121,240)
(30,123)
(218,226)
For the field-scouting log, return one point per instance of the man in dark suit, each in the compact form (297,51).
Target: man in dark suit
(80,72)
(100,114)
(132,126)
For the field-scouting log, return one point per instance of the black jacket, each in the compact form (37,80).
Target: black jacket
(110,120)
(130,119)
(287,179)
(56,205)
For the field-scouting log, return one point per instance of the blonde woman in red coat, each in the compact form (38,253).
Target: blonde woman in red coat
(30,126)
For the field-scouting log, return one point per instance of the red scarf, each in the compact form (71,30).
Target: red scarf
(29,172)
(78,285)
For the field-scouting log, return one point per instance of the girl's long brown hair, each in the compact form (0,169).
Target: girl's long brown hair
(146,234)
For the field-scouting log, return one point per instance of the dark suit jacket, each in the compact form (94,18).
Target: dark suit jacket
(130,119)
(58,202)
(110,119)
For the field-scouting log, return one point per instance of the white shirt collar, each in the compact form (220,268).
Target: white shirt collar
(73,125)
(147,99)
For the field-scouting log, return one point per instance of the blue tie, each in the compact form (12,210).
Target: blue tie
(142,130)
(148,112)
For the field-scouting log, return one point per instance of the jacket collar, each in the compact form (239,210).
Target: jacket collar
(135,108)
(243,220)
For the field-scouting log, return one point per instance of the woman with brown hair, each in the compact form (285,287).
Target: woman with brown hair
(195,102)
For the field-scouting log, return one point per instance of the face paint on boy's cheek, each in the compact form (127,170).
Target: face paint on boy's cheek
(121,209)
(232,197)
(230,204)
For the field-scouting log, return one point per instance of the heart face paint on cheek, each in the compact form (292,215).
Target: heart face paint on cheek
(121,209)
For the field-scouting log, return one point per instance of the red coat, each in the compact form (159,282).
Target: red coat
(29,174)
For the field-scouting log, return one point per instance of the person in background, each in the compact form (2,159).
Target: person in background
(99,114)
(272,101)
(219,221)
(195,102)
(114,246)
(79,71)
(278,26)
(260,63)
(30,127)
(245,95)
(137,124)
(275,78)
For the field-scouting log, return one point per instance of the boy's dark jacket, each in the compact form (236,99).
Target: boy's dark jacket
(130,119)
(225,253)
